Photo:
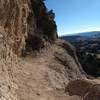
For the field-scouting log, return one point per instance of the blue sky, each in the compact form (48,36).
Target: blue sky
(73,16)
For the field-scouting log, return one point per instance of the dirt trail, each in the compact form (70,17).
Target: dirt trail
(41,77)
(33,80)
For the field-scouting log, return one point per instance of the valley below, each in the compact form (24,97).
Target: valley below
(88,51)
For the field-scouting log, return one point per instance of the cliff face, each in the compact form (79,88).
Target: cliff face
(26,24)
(21,19)
(13,18)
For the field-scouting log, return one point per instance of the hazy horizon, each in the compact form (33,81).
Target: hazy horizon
(72,34)
(76,16)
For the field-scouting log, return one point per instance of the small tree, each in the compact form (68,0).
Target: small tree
(51,14)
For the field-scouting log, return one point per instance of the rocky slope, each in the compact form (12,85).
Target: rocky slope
(48,63)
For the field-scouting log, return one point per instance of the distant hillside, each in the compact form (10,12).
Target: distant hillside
(90,34)
(82,36)
(72,38)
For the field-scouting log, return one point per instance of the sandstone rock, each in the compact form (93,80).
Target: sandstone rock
(88,90)
(78,87)
(20,21)
(93,93)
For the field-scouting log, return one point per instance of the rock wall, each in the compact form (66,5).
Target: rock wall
(17,23)
(19,20)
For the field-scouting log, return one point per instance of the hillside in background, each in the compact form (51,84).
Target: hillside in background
(82,36)
(93,34)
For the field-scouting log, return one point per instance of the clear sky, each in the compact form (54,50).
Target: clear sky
(73,16)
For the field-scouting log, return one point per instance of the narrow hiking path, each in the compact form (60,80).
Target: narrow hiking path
(44,75)
(33,79)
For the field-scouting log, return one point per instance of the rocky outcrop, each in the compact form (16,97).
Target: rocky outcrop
(87,89)
(22,19)
(63,66)
(94,93)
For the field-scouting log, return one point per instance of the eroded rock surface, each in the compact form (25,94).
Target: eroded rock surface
(88,90)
